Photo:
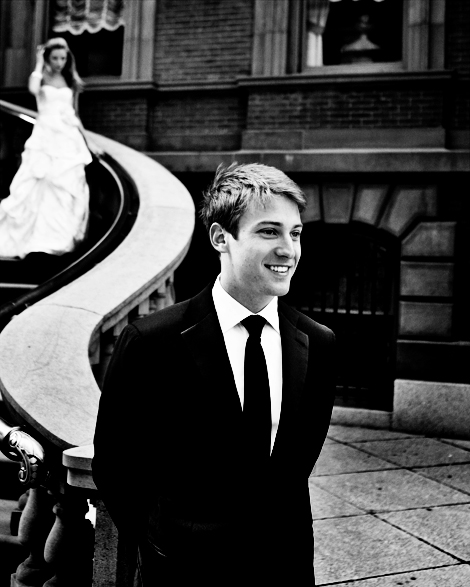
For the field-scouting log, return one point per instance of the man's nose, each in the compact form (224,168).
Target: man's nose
(286,248)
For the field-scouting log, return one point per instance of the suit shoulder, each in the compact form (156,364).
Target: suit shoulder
(306,324)
(163,320)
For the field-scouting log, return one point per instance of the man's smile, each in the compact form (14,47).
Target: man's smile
(282,269)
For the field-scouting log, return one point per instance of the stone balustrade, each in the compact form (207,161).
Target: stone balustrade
(54,356)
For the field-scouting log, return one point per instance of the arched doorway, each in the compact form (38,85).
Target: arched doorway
(347,279)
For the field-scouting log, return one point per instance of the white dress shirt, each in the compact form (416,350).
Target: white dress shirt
(230,313)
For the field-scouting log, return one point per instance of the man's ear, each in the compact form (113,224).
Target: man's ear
(218,237)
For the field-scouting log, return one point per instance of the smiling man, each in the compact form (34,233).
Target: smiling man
(229,397)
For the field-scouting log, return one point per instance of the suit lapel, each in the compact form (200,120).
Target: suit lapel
(205,342)
(294,368)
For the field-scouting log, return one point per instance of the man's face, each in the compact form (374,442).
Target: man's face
(260,262)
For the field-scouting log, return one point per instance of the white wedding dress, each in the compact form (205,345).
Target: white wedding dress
(47,209)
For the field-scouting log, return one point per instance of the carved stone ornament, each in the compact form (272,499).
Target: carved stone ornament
(23,448)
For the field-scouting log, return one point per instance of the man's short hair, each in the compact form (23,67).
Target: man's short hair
(235,186)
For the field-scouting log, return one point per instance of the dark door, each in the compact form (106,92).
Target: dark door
(346,280)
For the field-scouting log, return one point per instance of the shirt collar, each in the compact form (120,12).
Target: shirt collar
(230,312)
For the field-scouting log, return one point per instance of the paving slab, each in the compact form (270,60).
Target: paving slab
(417,452)
(447,528)
(456,442)
(325,505)
(364,546)
(355,434)
(389,490)
(456,476)
(339,458)
(329,440)
(455,576)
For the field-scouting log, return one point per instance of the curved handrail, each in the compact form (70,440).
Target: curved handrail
(45,373)
(19,111)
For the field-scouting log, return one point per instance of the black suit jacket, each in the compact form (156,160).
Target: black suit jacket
(167,441)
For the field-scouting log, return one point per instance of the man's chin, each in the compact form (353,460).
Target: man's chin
(281,290)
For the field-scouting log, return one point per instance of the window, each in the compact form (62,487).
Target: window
(94,30)
(97,54)
(315,36)
(109,38)
(355,31)
(345,32)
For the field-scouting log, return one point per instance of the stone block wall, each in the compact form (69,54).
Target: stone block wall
(431,343)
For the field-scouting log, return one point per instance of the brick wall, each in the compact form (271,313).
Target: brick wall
(211,41)
(203,40)
(199,120)
(122,118)
(346,107)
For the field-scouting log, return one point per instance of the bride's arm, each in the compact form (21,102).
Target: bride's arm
(93,147)
(35,79)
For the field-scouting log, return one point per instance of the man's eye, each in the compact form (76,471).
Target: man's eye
(268,231)
(296,234)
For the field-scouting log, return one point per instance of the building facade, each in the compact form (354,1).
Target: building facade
(365,103)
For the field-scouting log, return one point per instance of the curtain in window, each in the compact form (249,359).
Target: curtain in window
(77,16)
(316,15)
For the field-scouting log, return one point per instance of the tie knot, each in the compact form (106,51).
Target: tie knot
(254,325)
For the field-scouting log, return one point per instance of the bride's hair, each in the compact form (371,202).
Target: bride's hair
(69,72)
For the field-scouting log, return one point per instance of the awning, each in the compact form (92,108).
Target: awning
(77,16)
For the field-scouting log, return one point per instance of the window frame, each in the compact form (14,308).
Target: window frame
(138,46)
(280,50)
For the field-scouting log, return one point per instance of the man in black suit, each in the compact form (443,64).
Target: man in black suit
(203,449)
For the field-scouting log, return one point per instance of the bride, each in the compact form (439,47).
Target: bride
(47,209)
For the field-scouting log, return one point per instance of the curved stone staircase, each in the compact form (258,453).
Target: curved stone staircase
(53,389)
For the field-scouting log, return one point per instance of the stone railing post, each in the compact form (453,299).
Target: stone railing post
(164,296)
(114,561)
(34,527)
(69,546)
(101,346)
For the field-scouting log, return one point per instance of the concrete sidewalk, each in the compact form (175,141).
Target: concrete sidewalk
(391,509)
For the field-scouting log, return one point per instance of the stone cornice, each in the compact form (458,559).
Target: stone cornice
(325,160)
(319,76)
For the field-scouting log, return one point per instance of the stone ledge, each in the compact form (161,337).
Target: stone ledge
(361,417)
(323,160)
(78,463)
(345,138)
(431,407)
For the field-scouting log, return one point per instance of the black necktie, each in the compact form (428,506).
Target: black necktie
(257,401)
